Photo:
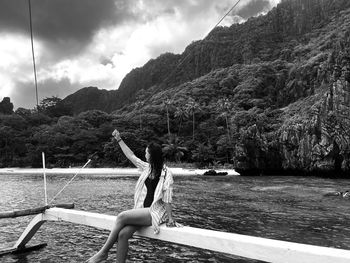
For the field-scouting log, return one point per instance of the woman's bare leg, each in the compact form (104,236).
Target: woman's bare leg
(123,242)
(137,217)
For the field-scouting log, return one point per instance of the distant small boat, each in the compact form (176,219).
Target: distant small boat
(241,245)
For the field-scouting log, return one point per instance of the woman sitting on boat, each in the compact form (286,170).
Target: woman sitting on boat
(152,201)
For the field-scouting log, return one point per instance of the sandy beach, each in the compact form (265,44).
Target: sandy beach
(106,171)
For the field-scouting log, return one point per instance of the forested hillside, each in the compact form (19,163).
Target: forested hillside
(284,33)
(271,95)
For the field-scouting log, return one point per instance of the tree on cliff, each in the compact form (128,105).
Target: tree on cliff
(6,107)
(53,107)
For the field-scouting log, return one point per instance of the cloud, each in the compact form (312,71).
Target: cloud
(64,25)
(15,63)
(253,8)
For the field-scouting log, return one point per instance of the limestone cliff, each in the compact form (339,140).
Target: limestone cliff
(313,135)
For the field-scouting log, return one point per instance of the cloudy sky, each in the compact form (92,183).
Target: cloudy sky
(81,43)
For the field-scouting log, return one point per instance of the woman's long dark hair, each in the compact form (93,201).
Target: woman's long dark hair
(156,159)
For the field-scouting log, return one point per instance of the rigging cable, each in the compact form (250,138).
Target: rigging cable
(37,104)
(70,180)
(32,41)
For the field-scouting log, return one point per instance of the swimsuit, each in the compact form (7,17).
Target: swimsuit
(151,185)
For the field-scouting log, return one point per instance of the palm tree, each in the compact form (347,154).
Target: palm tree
(173,150)
(203,154)
(181,114)
(191,107)
(224,106)
(168,102)
(138,106)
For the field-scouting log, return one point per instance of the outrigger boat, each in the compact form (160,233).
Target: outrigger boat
(264,249)
(258,248)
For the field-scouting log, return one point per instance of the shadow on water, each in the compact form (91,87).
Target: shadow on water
(20,258)
(279,207)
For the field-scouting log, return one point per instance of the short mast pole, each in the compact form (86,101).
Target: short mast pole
(44,171)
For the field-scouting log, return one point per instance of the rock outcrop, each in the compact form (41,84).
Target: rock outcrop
(314,133)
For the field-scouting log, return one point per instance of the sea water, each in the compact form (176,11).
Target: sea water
(284,208)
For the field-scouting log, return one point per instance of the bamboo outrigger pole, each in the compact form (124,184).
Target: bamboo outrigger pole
(32,211)
(21,248)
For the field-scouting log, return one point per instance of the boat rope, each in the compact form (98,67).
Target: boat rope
(187,56)
(70,180)
(229,11)
(33,54)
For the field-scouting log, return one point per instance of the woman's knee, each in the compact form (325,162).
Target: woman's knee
(125,233)
(122,218)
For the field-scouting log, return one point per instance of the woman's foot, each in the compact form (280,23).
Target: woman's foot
(97,258)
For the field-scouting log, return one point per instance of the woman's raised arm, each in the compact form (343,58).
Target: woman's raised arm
(126,150)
